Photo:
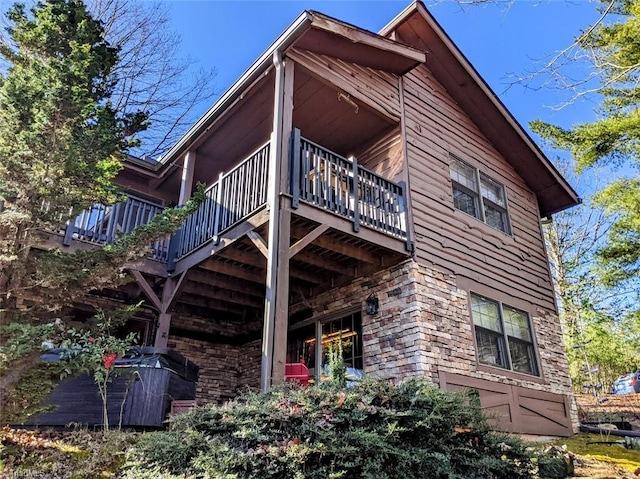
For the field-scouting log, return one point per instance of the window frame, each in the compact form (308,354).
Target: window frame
(318,323)
(505,339)
(480,200)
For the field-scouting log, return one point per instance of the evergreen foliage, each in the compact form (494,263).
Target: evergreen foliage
(62,143)
(374,430)
(61,146)
(614,138)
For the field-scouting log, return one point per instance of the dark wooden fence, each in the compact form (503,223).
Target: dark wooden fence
(101,224)
(325,179)
(235,196)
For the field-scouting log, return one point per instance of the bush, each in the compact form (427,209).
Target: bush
(372,431)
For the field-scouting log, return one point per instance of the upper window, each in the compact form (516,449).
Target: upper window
(478,195)
(503,336)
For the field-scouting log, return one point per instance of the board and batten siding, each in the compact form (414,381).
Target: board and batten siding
(513,265)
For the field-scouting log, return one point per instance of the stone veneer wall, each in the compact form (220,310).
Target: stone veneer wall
(423,326)
(226,364)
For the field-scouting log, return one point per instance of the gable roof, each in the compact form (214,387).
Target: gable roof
(318,33)
(416,32)
(417,27)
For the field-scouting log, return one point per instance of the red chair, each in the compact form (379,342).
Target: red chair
(297,372)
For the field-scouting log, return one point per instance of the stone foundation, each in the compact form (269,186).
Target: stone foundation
(229,357)
(424,326)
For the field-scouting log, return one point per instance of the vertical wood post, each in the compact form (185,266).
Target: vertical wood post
(276,310)
(217,211)
(186,181)
(162,333)
(295,168)
(170,291)
(354,194)
(406,185)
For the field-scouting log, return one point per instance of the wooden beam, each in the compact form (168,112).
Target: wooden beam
(340,246)
(357,35)
(214,304)
(233,271)
(226,282)
(307,240)
(249,256)
(260,243)
(210,248)
(162,333)
(171,290)
(274,334)
(328,76)
(405,164)
(147,289)
(329,264)
(343,225)
(307,276)
(220,294)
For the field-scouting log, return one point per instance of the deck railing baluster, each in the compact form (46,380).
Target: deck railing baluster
(337,184)
(236,195)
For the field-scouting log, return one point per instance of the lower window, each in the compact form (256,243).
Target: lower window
(503,336)
(344,331)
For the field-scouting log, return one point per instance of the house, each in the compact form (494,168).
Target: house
(363,190)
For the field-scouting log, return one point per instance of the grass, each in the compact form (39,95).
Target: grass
(82,454)
(590,446)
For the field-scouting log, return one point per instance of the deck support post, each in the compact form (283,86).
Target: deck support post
(170,291)
(406,186)
(276,307)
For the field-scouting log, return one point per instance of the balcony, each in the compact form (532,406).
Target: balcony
(317,178)
(100,224)
(325,180)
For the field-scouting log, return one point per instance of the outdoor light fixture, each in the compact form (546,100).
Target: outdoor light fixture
(372,304)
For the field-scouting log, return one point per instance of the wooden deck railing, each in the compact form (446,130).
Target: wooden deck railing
(318,177)
(327,180)
(101,224)
(235,196)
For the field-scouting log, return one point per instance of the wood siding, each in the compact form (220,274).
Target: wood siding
(516,408)
(514,265)
(384,156)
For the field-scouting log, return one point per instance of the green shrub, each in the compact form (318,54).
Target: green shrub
(372,431)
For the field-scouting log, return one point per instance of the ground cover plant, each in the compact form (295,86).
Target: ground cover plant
(374,430)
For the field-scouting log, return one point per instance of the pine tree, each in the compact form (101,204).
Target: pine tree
(614,138)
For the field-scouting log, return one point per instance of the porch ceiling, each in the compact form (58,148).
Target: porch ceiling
(243,128)
(318,113)
(332,122)
(231,283)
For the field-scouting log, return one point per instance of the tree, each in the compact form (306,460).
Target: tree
(62,142)
(59,133)
(614,138)
(152,75)
(597,319)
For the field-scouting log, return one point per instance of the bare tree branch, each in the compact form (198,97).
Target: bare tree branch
(153,75)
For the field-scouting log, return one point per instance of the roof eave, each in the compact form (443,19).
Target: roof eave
(418,7)
(258,68)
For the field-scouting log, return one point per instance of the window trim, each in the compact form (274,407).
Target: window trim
(479,199)
(319,321)
(508,371)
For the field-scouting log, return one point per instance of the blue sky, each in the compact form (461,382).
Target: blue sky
(499,42)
